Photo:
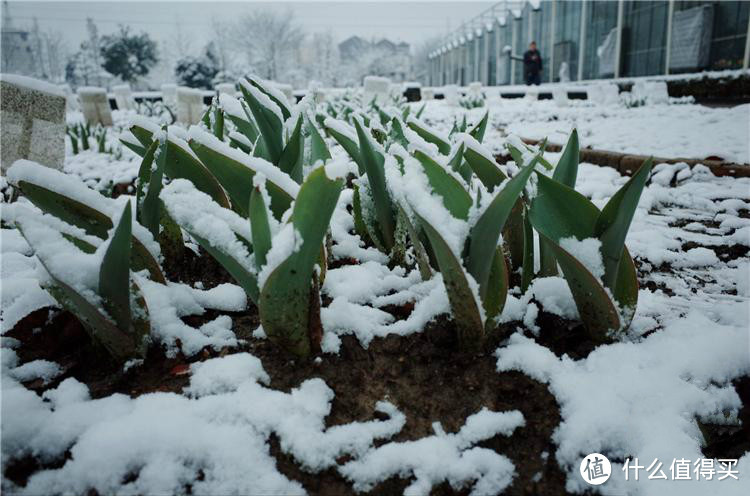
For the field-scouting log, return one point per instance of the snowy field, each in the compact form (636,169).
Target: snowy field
(669,131)
(645,397)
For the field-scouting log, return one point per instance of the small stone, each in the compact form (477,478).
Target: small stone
(189,105)
(124,97)
(95,105)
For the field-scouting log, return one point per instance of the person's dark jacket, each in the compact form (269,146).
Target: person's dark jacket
(532,62)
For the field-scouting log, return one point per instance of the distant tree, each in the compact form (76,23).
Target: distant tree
(271,42)
(198,72)
(325,65)
(83,68)
(127,55)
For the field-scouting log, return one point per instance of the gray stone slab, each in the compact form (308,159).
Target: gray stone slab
(33,122)
(95,105)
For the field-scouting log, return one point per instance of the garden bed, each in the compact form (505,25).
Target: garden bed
(393,401)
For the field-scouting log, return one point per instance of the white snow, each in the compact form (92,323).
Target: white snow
(640,399)
(199,214)
(284,244)
(587,251)
(257,164)
(32,84)
(263,99)
(72,187)
(226,450)
(443,457)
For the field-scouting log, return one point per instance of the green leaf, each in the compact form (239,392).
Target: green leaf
(90,220)
(318,148)
(122,344)
(455,197)
(598,313)
(260,227)
(547,262)
(513,236)
(359,222)
(350,146)
(285,298)
(291,158)
(527,268)
(237,177)
(181,164)
(430,136)
(244,278)
(261,85)
(269,124)
(485,234)
(241,145)
(244,126)
(139,150)
(477,132)
(114,274)
(144,176)
(260,150)
(150,209)
(498,284)
(487,171)
(560,212)
(170,236)
(418,115)
(423,261)
(466,314)
(567,167)
(625,291)
(218,122)
(374,164)
(459,165)
(614,221)
(397,133)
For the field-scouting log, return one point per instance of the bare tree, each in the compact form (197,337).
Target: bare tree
(221,37)
(325,62)
(421,61)
(270,41)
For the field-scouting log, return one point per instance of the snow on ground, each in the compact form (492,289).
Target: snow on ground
(639,397)
(669,131)
(227,450)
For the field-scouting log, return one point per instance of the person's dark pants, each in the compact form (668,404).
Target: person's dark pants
(533,78)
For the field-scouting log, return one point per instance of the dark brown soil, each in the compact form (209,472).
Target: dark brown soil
(724,252)
(421,374)
(730,441)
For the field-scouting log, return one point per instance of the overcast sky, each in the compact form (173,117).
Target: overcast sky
(400,21)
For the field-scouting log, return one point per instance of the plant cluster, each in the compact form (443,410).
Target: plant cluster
(82,137)
(472,100)
(256,187)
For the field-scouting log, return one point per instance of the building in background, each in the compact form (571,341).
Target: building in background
(594,39)
(17,52)
(379,58)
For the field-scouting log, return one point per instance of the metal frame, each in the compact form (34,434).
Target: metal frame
(618,43)
(451,59)
(668,50)
(582,39)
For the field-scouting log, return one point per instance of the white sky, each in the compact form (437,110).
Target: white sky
(412,21)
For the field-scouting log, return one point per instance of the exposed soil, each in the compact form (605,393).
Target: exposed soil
(423,375)
(724,252)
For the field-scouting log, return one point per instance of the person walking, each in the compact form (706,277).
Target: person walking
(532,65)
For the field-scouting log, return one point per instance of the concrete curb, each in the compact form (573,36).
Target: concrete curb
(626,164)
